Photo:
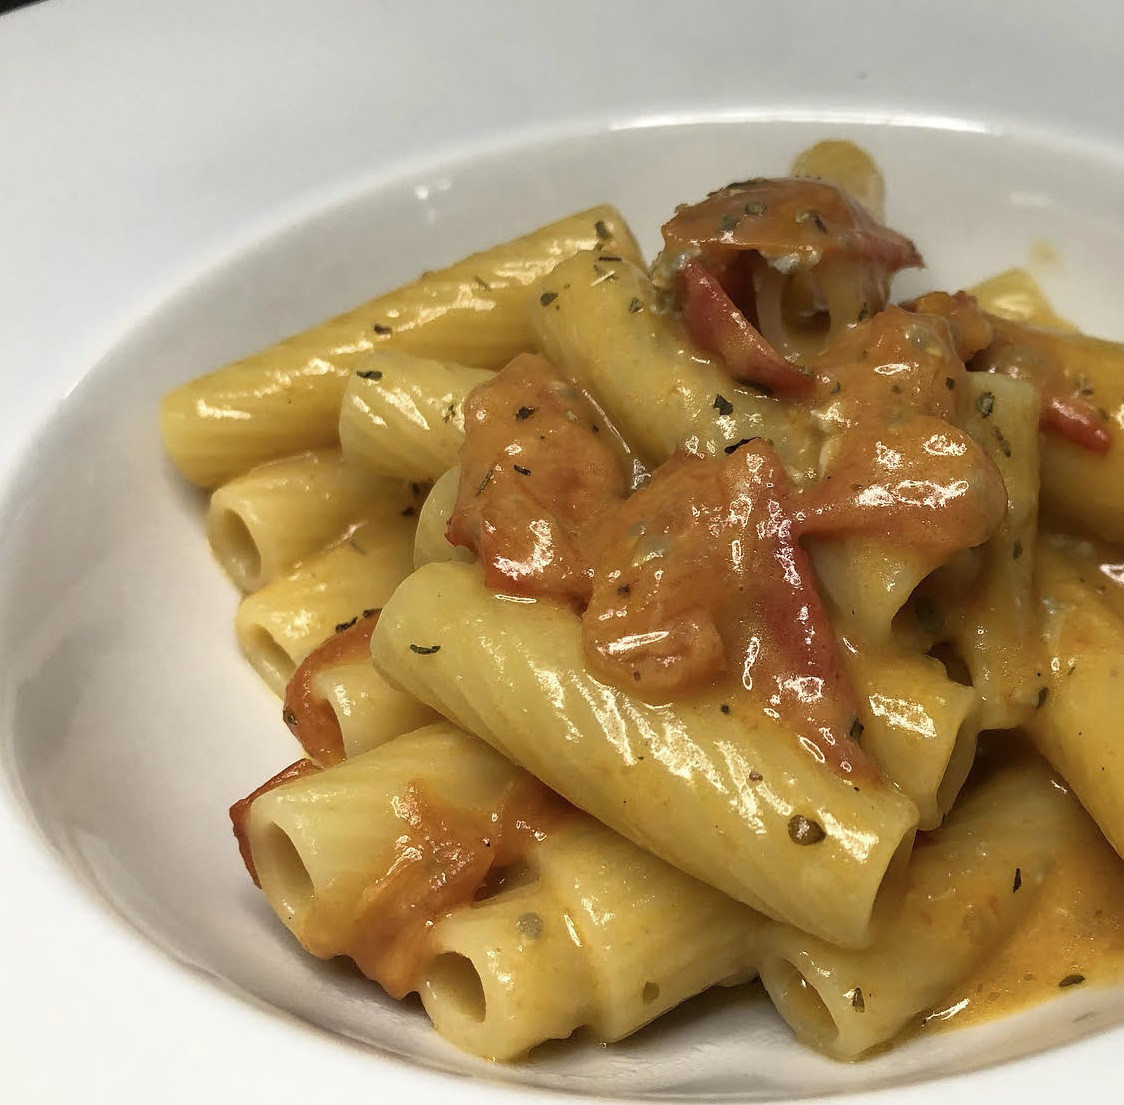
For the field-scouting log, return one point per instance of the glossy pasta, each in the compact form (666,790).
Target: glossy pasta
(652,629)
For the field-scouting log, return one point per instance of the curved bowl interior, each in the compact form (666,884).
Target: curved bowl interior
(132,720)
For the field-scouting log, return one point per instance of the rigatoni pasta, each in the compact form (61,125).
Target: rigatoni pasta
(648,628)
(286,399)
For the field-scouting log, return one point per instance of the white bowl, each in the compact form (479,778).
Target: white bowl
(130,721)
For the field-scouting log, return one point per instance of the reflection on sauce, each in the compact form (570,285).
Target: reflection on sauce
(1073,936)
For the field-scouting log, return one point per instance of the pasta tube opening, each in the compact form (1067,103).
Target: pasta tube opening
(507,974)
(454,981)
(282,868)
(800,1003)
(268,657)
(242,559)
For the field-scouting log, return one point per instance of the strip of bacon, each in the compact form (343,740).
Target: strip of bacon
(718,326)
(922,482)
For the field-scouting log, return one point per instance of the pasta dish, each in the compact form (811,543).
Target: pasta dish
(653,628)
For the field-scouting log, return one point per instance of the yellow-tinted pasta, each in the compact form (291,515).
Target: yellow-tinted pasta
(1079,687)
(601,324)
(512,673)
(845,608)
(965,892)
(322,843)
(287,398)
(430,542)
(262,523)
(600,934)
(279,625)
(920,726)
(403,416)
(368,711)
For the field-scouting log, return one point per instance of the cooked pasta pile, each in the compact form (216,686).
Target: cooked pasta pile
(640,625)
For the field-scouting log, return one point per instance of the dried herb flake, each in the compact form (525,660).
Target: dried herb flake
(425,650)
(380,329)
(369,374)
(1071,980)
(723,405)
(523,413)
(547,298)
(634,305)
(985,403)
(1043,694)
(804,830)
(858,1002)
(1018,880)
(602,230)
(521,470)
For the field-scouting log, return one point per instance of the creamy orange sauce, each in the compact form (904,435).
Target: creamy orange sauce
(768,270)
(1073,936)
(540,465)
(443,859)
(1069,406)
(698,577)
